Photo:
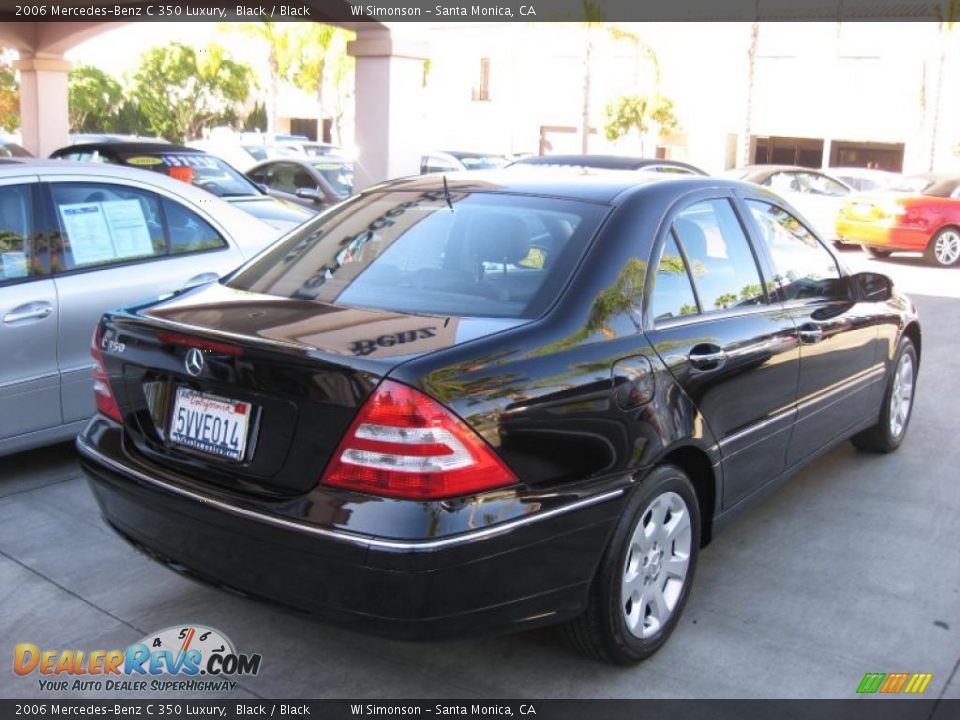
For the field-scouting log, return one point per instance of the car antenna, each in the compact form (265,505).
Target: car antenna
(446,193)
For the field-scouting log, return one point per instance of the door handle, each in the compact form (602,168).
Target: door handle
(29,311)
(810,333)
(201,279)
(707,357)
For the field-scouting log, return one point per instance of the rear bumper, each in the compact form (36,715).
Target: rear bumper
(877,234)
(501,577)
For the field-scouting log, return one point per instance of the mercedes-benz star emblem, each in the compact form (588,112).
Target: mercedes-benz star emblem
(193,362)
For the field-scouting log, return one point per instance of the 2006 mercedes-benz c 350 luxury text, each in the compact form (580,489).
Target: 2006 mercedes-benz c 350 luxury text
(489,402)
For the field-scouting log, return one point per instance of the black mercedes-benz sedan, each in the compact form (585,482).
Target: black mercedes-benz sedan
(494,401)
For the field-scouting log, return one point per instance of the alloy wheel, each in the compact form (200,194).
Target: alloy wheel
(901,397)
(656,566)
(947,247)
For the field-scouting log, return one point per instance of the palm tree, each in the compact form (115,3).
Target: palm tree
(751,69)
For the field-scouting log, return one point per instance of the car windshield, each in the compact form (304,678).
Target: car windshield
(466,254)
(338,174)
(204,171)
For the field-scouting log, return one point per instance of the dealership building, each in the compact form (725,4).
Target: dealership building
(831,93)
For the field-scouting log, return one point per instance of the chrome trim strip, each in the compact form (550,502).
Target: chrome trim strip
(368,542)
(24,381)
(865,378)
(757,426)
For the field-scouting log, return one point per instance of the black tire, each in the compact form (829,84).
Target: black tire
(931,253)
(880,438)
(876,252)
(601,631)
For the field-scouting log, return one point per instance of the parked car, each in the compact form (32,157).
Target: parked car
(609,162)
(492,401)
(314,182)
(815,194)
(196,167)
(865,179)
(10,148)
(445,161)
(78,239)
(920,213)
(312,148)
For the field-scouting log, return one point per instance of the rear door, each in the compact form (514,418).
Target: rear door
(838,339)
(729,344)
(120,245)
(29,383)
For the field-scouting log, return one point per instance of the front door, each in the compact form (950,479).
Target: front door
(838,343)
(29,382)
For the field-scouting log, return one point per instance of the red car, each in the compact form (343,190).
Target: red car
(921,213)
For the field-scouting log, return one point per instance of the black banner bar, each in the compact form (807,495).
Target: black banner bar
(858,709)
(380,11)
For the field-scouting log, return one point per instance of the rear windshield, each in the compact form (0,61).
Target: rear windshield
(204,171)
(472,254)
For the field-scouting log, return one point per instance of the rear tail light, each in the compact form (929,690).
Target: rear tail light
(404,444)
(102,392)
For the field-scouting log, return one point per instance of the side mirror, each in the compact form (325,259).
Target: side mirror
(873,287)
(309,194)
(263,188)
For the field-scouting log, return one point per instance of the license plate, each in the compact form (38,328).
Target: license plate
(210,424)
(862,210)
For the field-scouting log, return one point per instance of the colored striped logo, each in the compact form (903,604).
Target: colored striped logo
(891,683)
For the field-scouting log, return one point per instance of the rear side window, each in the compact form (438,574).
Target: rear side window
(805,270)
(724,269)
(672,292)
(103,224)
(19,257)
(472,254)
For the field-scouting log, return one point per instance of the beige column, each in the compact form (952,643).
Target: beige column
(389,86)
(44,122)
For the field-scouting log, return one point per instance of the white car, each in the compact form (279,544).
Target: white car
(77,239)
(815,194)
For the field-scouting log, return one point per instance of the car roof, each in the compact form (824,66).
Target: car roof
(43,167)
(122,148)
(606,186)
(611,162)
(309,160)
(460,154)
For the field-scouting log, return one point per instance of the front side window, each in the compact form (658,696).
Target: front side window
(722,264)
(19,258)
(466,254)
(188,231)
(805,269)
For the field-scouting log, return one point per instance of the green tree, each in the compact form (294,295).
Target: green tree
(638,112)
(9,95)
(324,66)
(94,98)
(283,45)
(181,90)
(256,119)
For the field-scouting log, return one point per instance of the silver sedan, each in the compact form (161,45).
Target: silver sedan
(77,239)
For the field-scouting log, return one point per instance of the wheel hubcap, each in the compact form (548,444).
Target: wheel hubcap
(902,396)
(658,559)
(947,248)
